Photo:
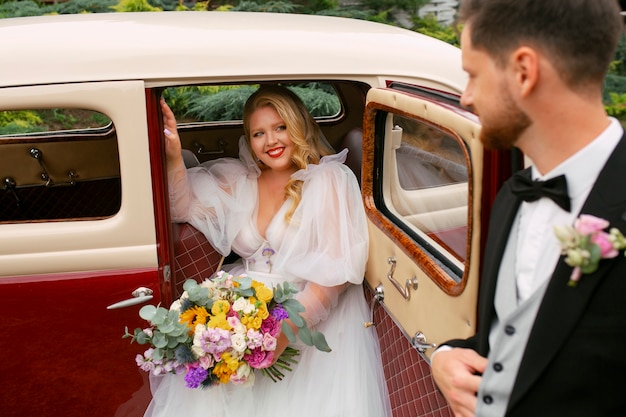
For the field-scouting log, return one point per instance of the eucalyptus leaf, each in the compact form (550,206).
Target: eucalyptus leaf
(245,282)
(294,304)
(171,343)
(288,331)
(160,316)
(157,355)
(294,316)
(189,284)
(147,312)
(142,338)
(305,336)
(159,340)
(319,341)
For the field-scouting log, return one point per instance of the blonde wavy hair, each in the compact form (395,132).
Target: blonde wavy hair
(302,127)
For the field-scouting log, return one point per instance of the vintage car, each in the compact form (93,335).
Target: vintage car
(85,232)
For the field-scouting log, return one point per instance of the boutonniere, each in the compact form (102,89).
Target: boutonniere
(586,243)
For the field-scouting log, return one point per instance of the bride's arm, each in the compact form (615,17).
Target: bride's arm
(179,189)
(318,301)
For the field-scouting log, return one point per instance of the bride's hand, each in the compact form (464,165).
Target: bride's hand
(281,344)
(172,140)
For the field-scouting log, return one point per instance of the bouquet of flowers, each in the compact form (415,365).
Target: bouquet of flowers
(223,329)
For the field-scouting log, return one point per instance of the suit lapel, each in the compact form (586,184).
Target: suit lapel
(562,306)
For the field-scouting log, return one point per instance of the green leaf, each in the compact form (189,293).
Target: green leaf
(157,355)
(288,331)
(142,338)
(305,336)
(160,316)
(190,284)
(244,282)
(159,340)
(319,340)
(147,312)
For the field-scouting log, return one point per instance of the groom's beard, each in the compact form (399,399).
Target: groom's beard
(501,130)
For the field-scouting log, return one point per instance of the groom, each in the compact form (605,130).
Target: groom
(543,347)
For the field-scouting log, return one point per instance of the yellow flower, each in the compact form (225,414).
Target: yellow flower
(220,306)
(193,316)
(262,311)
(219,321)
(262,292)
(226,367)
(252,322)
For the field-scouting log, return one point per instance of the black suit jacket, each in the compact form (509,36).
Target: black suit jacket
(575,361)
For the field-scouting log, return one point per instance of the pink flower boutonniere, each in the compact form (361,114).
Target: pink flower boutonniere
(586,243)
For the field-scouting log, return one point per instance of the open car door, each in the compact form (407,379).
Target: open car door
(422,177)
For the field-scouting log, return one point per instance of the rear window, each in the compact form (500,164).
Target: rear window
(199,104)
(58,164)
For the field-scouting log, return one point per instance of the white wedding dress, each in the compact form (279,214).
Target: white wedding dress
(325,244)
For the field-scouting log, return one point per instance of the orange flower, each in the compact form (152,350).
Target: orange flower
(193,316)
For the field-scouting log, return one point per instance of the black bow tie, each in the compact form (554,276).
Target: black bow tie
(528,190)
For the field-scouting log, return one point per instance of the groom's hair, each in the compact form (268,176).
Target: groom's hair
(578,36)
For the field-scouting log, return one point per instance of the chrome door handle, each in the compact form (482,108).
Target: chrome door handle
(410,283)
(419,342)
(140,295)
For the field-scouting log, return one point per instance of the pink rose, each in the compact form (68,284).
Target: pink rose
(606,247)
(259,358)
(587,224)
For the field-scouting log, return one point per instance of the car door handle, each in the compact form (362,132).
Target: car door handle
(140,295)
(410,283)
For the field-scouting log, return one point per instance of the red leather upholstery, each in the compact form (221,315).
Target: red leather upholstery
(195,258)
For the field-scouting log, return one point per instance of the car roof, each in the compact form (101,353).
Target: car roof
(159,46)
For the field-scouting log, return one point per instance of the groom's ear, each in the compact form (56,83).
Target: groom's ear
(524,62)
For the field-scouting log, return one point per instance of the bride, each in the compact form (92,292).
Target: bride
(292,211)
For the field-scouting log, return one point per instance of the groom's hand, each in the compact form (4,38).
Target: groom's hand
(457,374)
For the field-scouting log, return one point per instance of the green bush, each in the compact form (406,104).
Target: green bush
(85,6)
(135,6)
(21,121)
(429,26)
(271,6)
(21,9)
(223,103)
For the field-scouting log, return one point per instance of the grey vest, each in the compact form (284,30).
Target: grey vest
(508,336)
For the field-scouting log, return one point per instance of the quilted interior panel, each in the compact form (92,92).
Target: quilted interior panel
(411,388)
(195,258)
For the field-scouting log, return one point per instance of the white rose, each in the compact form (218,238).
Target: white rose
(238,342)
(240,304)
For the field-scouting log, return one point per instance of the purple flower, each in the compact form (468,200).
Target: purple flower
(195,377)
(215,341)
(279,313)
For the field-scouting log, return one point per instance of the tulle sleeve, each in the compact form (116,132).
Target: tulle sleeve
(327,242)
(214,198)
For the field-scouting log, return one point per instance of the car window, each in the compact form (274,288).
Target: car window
(213,103)
(425,168)
(58,164)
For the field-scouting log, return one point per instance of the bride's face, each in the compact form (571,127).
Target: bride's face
(270,140)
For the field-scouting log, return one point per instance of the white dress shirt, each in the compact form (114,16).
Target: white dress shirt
(538,249)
